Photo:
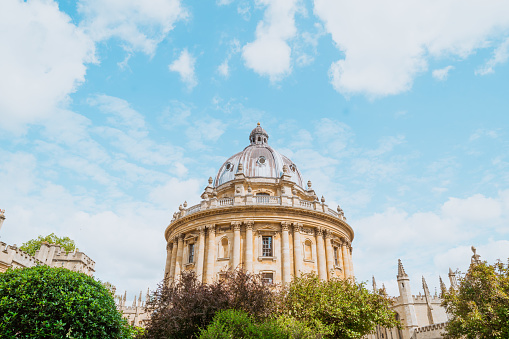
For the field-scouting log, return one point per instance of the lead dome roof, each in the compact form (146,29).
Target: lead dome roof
(258,160)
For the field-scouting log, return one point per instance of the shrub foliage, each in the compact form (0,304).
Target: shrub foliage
(44,302)
(479,308)
(341,308)
(242,306)
(182,308)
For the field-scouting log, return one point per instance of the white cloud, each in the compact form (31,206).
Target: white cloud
(224,69)
(141,24)
(500,55)
(386,44)
(184,65)
(445,235)
(270,55)
(442,74)
(43,60)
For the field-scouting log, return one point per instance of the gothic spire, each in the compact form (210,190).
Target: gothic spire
(401,270)
(443,288)
(374,284)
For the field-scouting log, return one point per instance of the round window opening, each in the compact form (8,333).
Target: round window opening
(293,167)
(261,160)
(228,166)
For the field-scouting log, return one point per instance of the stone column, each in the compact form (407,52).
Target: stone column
(180,251)
(249,246)
(340,261)
(297,249)
(351,260)
(211,250)
(173,258)
(330,255)
(201,253)
(346,261)
(320,255)
(168,260)
(285,253)
(236,244)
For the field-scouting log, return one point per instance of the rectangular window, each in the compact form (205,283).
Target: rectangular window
(267,246)
(336,261)
(267,278)
(191,253)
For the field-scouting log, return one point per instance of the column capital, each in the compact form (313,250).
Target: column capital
(168,245)
(319,231)
(176,238)
(236,225)
(201,229)
(327,234)
(285,225)
(297,227)
(182,236)
(249,224)
(211,228)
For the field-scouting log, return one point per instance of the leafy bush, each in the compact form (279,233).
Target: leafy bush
(231,324)
(338,308)
(34,244)
(182,308)
(44,302)
(480,306)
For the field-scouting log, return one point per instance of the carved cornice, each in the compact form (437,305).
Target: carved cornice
(276,209)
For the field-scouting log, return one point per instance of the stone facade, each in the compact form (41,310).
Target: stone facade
(48,254)
(422,315)
(257,216)
(135,314)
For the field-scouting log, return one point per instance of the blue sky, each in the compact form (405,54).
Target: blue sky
(115,112)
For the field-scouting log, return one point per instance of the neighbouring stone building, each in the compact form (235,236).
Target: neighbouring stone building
(258,215)
(422,315)
(136,313)
(49,254)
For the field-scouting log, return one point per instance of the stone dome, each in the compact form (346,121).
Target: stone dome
(258,160)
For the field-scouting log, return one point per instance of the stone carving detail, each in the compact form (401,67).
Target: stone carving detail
(285,225)
(319,231)
(249,224)
(236,225)
(211,228)
(297,227)
(201,229)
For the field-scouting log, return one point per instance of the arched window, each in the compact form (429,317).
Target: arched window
(308,252)
(224,247)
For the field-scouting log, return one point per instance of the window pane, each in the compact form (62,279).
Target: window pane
(191,253)
(267,278)
(267,246)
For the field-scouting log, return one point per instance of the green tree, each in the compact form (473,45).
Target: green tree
(44,302)
(34,244)
(344,308)
(479,308)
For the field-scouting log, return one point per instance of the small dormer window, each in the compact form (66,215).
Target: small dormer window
(229,167)
(261,161)
(293,167)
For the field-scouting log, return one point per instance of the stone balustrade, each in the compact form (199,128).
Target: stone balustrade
(260,200)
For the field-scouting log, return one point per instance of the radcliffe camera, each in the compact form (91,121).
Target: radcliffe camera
(254,169)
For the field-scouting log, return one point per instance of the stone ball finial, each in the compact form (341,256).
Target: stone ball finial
(323,199)
(210,180)
(258,124)
(185,204)
(309,184)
